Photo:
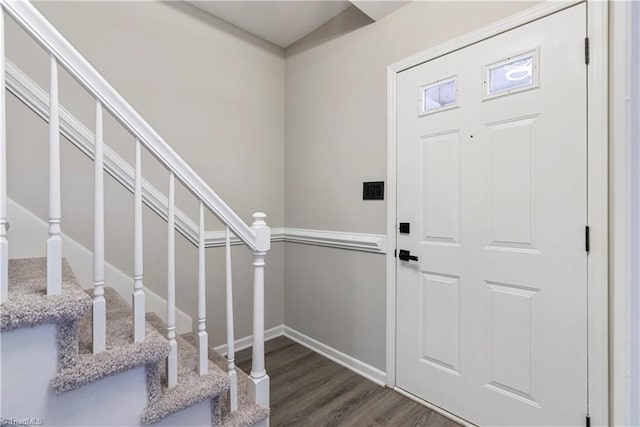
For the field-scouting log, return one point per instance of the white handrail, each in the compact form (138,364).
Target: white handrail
(32,21)
(37,99)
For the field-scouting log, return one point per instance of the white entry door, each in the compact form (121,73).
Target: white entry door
(492,186)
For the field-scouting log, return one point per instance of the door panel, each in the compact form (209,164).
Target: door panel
(440,164)
(491,320)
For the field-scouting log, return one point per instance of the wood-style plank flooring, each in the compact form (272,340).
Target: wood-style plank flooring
(309,390)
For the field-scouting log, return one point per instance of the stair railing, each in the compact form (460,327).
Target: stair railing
(256,237)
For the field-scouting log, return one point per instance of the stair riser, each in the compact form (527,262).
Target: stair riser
(28,364)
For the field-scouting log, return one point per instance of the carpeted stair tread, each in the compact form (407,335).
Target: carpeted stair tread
(121,353)
(249,413)
(192,388)
(28,303)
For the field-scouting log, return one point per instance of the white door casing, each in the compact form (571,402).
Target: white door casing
(492,320)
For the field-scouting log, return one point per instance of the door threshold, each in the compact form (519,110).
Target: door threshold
(435,408)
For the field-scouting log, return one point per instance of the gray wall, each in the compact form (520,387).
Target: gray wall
(336,139)
(214,92)
(635,278)
(218,96)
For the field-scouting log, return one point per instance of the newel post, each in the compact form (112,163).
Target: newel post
(259,386)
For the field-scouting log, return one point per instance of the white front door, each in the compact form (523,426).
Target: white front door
(492,181)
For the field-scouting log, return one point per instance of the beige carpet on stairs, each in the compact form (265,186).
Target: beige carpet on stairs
(29,305)
(248,413)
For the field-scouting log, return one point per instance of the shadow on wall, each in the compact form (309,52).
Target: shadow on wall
(349,20)
(223,25)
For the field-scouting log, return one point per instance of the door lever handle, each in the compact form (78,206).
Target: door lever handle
(405,255)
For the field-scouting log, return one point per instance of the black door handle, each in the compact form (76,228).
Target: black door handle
(405,255)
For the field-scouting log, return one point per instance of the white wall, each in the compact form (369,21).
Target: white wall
(624,212)
(335,140)
(213,91)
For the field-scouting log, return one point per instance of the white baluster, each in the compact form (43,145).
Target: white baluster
(259,379)
(172,359)
(54,242)
(99,305)
(4,243)
(231,352)
(203,340)
(138,291)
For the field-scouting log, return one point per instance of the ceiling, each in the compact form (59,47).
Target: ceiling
(285,22)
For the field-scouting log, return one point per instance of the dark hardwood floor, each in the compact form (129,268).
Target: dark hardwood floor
(310,390)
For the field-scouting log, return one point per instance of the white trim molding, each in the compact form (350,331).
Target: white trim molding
(375,243)
(359,367)
(624,218)
(216,239)
(37,99)
(597,134)
(600,394)
(246,342)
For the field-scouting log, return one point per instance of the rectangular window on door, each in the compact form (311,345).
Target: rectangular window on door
(513,74)
(439,95)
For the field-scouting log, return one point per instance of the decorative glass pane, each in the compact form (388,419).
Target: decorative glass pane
(511,74)
(439,95)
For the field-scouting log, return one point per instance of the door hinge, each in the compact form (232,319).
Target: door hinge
(586,50)
(395,253)
(587,239)
(588,420)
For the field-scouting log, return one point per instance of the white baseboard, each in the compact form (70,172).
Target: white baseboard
(355,365)
(246,342)
(351,363)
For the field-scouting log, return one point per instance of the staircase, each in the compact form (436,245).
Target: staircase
(58,339)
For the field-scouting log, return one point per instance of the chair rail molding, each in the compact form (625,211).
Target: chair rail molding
(37,99)
(375,243)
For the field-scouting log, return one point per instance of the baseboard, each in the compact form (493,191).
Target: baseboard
(351,363)
(435,408)
(246,342)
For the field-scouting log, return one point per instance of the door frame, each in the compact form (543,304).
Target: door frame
(597,181)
